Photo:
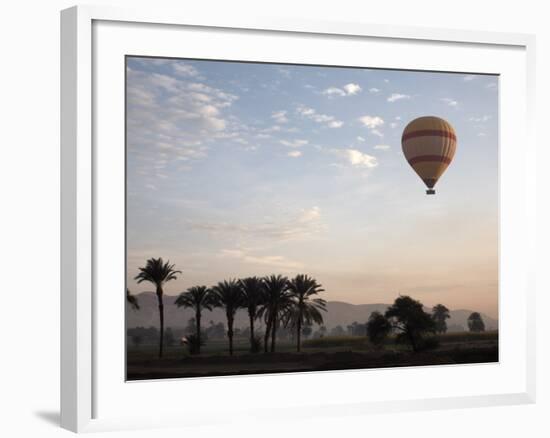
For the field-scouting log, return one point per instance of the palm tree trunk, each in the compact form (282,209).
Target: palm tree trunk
(230,333)
(251,317)
(161,314)
(267,333)
(298,333)
(273,332)
(198,320)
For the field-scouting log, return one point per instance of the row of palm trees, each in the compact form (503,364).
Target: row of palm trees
(275,299)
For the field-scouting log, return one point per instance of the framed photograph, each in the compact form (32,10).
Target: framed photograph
(259,206)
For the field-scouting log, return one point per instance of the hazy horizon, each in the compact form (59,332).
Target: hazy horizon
(240,169)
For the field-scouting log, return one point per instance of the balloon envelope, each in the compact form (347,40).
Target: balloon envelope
(429,145)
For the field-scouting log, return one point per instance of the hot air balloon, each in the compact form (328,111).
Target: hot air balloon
(429,145)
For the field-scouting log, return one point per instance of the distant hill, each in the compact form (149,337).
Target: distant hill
(338,313)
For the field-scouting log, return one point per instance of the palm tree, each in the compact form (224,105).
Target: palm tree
(253,293)
(306,308)
(197,298)
(132,300)
(228,295)
(158,273)
(277,301)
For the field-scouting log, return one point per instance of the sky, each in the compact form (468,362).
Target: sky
(240,169)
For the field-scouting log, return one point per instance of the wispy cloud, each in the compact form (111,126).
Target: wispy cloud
(382,147)
(394,97)
(305,224)
(294,143)
(371,122)
(183,69)
(271,261)
(294,154)
(333,91)
(310,113)
(357,158)
(280,116)
(284,72)
(374,90)
(449,101)
(335,124)
(175,115)
(350,89)
(481,119)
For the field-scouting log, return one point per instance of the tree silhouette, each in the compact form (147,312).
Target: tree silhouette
(378,328)
(277,301)
(408,316)
(254,294)
(440,314)
(228,296)
(475,323)
(132,300)
(196,298)
(305,308)
(158,273)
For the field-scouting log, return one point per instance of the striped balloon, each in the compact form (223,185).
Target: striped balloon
(429,145)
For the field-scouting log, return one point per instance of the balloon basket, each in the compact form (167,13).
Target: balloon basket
(430,192)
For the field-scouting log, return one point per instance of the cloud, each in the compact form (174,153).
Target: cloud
(449,101)
(310,113)
(294,154)
(371,122)
(468,78)
(335,124)
(304,224)
(481,119)
(358,159)
(174,116)
(361,139)
(279,116)
(374,90)
(333,91)
(294,143)
(284,72)
(394,97)
(350,89)
(183,69)
(271,261)
(377,132)
(382,147)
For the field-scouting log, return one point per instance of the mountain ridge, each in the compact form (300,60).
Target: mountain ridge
(338,313)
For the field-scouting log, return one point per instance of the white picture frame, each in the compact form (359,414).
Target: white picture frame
(93,398)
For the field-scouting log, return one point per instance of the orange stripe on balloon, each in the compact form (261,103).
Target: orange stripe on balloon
(427,133)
